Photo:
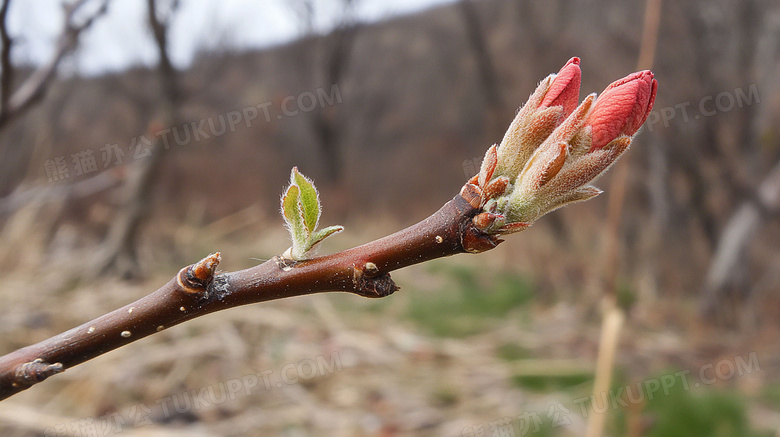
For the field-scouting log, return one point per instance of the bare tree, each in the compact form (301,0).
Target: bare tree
(16,100)
(325,64)
(13,104)
(727,280)
(753,191)
(120,247)
(486,70)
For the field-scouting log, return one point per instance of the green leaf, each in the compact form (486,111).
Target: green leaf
(323,234)
(292,212)
(301,211)
(309,198)
(290,205)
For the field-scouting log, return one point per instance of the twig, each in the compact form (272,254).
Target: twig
(196,291)
(83,188)
(547,173)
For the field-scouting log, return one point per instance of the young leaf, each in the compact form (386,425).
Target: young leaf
(293,215)
(290,208)
(301,211)
(309,198)
(324,233)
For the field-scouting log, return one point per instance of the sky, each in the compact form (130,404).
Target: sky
(121,38)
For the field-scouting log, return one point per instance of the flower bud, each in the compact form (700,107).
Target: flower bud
(554,149)
(622,108)
(565,88)
(553,101)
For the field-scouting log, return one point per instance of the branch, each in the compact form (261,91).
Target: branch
(76,190)
(549,155)
(34,87)
(196,291)
(160,28)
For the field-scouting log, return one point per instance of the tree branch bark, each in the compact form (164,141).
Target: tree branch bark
(196,290)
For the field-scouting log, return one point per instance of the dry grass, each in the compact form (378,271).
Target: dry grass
(393,374)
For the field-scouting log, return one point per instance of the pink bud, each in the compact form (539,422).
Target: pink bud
(622,108)
(565,88)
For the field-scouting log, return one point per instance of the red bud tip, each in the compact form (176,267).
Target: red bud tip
(622,108)
(565,88)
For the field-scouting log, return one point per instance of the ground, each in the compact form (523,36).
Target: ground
(473,345)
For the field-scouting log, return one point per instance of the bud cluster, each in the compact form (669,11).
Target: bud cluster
(554,148)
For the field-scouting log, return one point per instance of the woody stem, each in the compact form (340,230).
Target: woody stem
(196,291)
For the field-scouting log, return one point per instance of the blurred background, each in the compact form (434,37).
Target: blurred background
(137,137)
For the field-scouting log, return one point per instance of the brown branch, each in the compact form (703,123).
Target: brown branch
(34,87)
(44,193)
(196,290)
(165,67)
(470,222)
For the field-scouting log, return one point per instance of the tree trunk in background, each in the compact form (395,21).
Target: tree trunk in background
(120,255)
(16,102)
(323,64)
(741,160)
(727,275)
(488,77)
(338,46)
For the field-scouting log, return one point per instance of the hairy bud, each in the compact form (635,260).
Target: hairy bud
(622,108)
(300,207)
(554,149)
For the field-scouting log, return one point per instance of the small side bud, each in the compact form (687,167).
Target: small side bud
(474,240)
(472,194)
(486,220)
(373,285)
(196,278)
(35,371)
(554,165)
